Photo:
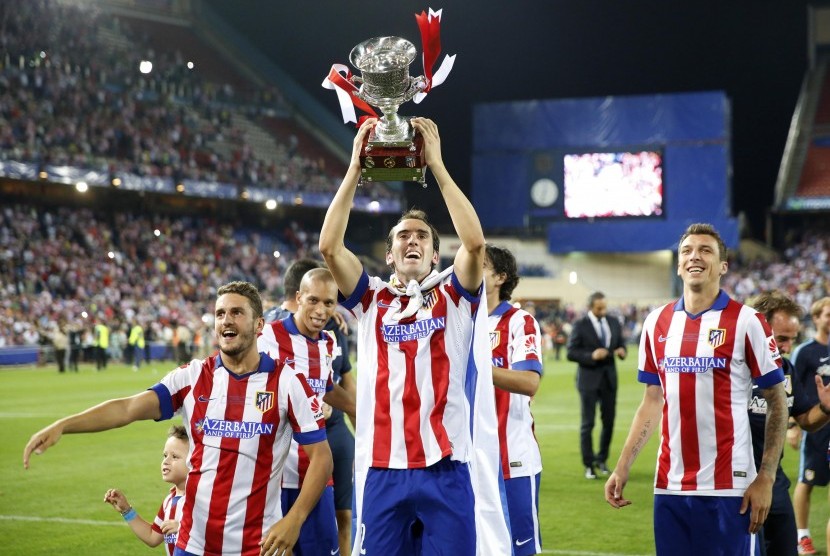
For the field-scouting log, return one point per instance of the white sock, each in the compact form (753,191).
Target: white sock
(803,533)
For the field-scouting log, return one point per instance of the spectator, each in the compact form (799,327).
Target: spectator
(593,344)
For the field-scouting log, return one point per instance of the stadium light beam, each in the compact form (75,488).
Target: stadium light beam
(145,66)
(82,187)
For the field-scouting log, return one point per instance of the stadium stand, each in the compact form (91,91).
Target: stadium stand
(73,98)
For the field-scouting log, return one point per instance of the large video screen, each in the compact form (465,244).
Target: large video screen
(613,184)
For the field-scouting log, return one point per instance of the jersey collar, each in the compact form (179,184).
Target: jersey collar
(291,327)
(501,309)
(266,365)
(721,301)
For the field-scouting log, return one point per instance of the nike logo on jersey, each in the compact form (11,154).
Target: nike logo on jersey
(335,551)
(824,359)
(520,543)
(204,399)
(383,305)
(686,337)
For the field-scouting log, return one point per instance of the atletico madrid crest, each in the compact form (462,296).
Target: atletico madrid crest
(717,336)
(495,339)
(264,401)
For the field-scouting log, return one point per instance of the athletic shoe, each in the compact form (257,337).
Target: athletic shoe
(805,546)
(602,468)
(589,473)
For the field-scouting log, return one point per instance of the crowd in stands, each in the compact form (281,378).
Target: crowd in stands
(72,95)
(57,265)
(802,272)
(70,268)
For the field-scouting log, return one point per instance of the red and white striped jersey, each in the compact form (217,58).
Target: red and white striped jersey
(171,508)
(706,365)
(240,428)
(516,344)
(283,341)
(412,410)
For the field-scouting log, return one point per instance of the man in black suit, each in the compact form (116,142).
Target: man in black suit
(592,345)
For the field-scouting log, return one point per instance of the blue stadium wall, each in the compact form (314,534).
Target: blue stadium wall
(691,130)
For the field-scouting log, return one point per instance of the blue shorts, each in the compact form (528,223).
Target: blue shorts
(694,525)
(813,469)
(422,512)
(319,532)
(523,506)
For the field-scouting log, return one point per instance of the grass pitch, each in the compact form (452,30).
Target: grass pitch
(56,507)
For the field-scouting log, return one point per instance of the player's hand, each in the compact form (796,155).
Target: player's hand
(41,441)
(823,391)
(621,352)
(614,489)
(281,537)
(357,146)
(432,141)
(117,499)
(757,498)
(794,437)
(169,526)
(340,322)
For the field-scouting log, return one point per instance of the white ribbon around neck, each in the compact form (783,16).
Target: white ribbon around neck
(415,291)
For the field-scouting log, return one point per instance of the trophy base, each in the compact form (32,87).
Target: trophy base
(393,161)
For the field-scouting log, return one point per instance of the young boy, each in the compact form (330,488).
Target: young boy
(165,526)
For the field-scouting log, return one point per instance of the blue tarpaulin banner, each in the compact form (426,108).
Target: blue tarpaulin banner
(515,144)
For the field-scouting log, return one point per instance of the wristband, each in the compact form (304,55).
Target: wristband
(129,515)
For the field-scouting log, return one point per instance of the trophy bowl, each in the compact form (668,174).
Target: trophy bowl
(385,83)
(384,66)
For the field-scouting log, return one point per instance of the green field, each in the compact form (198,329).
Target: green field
(56,507)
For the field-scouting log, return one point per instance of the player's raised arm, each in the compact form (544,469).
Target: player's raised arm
(105,416)
(470,257)
(343,264)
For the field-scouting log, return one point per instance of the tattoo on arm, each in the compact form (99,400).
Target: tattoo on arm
(642,438)
(775,429)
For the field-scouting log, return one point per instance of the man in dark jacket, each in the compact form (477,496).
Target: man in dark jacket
(593,343)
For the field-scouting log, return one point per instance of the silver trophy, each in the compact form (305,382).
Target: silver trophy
(386,84)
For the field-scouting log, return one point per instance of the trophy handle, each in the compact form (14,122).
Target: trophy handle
(416,85)
(356,79)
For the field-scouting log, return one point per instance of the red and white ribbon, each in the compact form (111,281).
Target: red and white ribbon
(340,79)
(430,26)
